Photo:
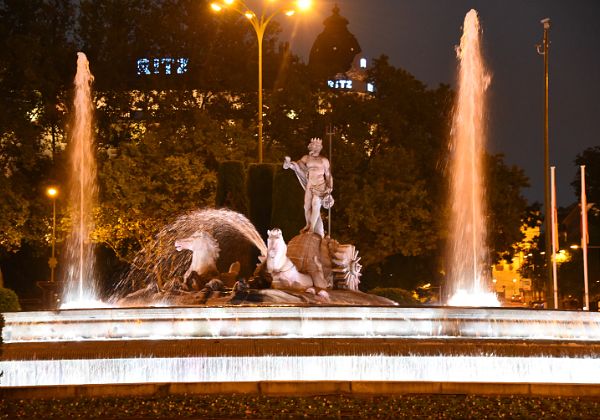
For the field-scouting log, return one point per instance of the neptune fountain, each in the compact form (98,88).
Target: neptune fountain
(186,312)
(311,269)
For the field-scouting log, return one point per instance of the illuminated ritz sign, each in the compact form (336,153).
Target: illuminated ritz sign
(161,66)
(340,84)
(347,84)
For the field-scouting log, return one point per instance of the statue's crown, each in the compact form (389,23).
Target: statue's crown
(315,141)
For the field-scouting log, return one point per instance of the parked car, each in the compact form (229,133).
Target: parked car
(537,304)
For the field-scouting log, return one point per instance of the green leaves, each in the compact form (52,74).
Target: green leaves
(167,172)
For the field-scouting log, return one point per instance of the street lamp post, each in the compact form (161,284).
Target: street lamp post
(543,50)
(259,24)
(52,192)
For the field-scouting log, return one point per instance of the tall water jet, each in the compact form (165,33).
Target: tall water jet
(80,287)
(469,268)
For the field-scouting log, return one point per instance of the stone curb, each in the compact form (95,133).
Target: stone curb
(302,388)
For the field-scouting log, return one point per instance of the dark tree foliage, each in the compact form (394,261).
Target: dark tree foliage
(170,169)
(288,201)
(231,186)
(590,157)
(161,137)
(390,184)
(260,194)
(507,206)
(35,43)
(571,272)
(534,266)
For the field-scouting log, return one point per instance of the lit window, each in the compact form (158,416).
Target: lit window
(370,87)
(363,63)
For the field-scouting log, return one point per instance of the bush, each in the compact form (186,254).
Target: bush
(400,296)
(231,186)
(9,301)
(288,203)
(260,194)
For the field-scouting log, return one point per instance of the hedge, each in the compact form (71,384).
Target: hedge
(231,186)
(260,192)
(9,301)
(288,203)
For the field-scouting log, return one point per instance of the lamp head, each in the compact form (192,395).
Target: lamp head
(52,192)
(303,5)
(546,23)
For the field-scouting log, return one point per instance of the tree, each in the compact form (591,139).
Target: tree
(590,157)
(171,169)
(571,272)
(160,138)
(391,187)
(508,209)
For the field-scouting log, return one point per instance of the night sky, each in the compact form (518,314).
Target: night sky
(420,36)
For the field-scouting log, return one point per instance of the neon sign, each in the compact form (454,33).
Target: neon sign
(340,84)
(147,66)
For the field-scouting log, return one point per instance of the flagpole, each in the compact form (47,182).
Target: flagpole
(554,232)
(584,238)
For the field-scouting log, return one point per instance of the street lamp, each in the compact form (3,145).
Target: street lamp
(260,23)
(52,192)
(543,50)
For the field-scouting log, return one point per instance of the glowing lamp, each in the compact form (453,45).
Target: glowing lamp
(290,13)
(304,4)
(229,2)
(52,192)
(215,7)
(249,15)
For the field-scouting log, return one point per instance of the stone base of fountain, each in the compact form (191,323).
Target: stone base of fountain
(300,345)
(252,297)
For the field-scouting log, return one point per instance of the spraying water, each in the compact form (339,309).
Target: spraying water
(469,273)
(80,289)
(159,262)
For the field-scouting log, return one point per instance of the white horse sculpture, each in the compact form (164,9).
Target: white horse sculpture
(284,273)
(205,252)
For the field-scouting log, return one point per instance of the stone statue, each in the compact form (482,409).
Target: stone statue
(311,263)
(314,174)
(205,252)
(283,271)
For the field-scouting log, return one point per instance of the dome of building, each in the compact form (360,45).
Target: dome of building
(334,49)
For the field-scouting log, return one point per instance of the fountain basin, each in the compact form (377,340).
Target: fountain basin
(237,322)
(299,344)
(369,367)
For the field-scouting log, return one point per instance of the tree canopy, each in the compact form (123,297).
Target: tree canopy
(160,137)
